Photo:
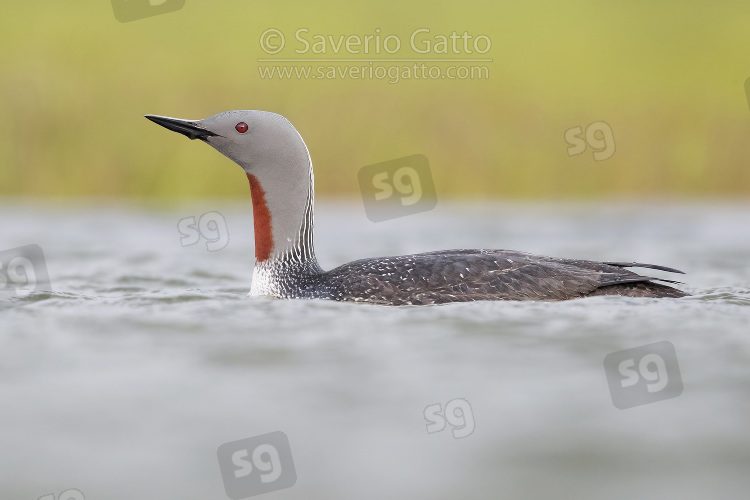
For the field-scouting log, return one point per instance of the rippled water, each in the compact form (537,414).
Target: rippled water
(147,356)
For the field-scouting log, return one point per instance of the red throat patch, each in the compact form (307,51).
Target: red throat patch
(261,219)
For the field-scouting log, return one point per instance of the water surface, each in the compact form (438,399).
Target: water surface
(147,356)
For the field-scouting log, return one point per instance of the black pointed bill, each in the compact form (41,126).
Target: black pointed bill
(189,129)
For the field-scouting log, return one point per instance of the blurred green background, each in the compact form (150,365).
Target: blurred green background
(668,77)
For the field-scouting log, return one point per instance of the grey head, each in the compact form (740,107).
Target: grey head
(275,158)
(252,139)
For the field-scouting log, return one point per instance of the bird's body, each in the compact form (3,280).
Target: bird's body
(467,275)
(279,169)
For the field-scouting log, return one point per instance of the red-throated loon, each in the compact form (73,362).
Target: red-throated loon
(278,166)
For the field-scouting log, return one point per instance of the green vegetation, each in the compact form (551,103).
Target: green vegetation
(667,77)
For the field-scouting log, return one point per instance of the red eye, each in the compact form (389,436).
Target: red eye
(241,127)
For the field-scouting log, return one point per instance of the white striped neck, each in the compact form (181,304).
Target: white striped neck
(283,216)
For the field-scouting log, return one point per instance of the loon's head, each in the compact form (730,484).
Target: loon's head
(253,139)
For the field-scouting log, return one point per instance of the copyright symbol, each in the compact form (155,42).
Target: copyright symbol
(272,41)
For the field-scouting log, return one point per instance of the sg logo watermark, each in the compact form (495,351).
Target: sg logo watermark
(71,494)
(643,375)
(23,271)
(256,465)
(457,413)
(212,226)
(132,10)
(397,188)
(598,136)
